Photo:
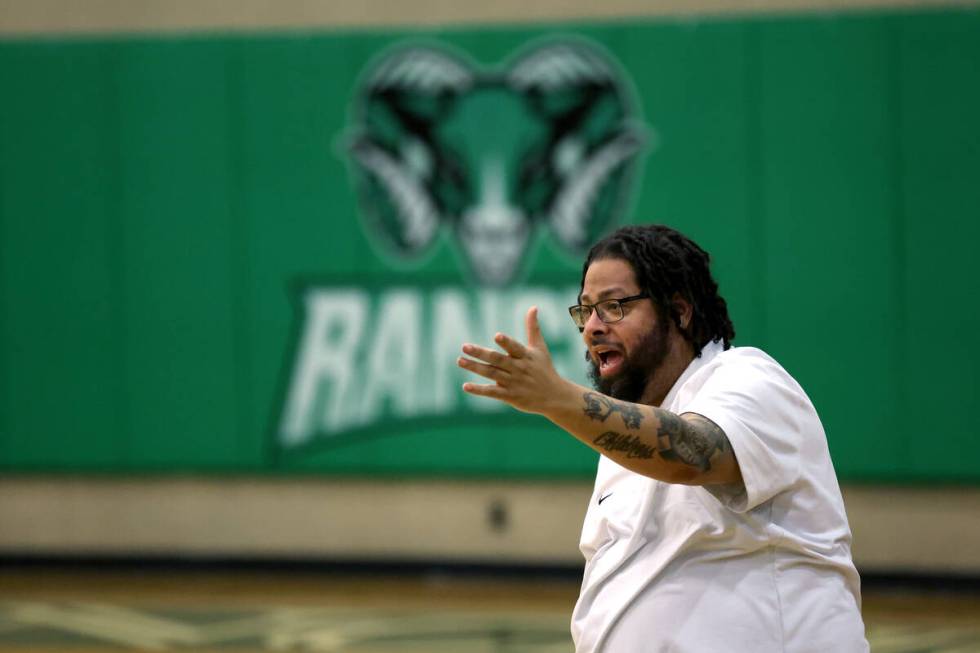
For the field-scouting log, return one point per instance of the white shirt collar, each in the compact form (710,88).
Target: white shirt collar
(708,352)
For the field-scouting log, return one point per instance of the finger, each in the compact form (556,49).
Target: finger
(491,391)
(534,337)
(511,346)
(484,370)
(490,356)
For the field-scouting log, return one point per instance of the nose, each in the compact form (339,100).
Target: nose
(594,327)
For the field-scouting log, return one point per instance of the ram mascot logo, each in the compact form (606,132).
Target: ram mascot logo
(437,143)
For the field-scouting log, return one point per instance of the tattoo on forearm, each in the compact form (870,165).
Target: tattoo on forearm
(681,441)
(631,445)
(599,407)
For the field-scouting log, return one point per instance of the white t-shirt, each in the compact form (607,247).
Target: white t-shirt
(699,569)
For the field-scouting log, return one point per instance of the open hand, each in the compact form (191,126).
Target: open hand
(523,375)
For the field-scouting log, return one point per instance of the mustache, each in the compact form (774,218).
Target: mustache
(599,340)
(595,342)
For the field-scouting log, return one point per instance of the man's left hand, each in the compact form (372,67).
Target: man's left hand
(523,375)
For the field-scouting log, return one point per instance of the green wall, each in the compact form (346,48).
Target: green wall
(165,203)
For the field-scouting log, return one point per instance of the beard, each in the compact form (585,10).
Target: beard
(637,369)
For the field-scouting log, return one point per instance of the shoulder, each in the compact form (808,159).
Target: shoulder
(745,356)
(746,373)
(748,361)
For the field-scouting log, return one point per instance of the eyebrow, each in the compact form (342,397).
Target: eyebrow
(615,291)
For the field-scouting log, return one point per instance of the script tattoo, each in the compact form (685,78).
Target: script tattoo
(679,440)
(599,407)
(628,444)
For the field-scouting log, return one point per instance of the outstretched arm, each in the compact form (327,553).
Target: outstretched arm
(688,448)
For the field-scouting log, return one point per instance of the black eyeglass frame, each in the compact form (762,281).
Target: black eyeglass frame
(618,302)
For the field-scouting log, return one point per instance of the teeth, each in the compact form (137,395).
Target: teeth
(604,357)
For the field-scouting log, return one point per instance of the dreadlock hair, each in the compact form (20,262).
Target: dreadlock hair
(666,262)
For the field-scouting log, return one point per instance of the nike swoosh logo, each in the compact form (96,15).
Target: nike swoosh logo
(604,498)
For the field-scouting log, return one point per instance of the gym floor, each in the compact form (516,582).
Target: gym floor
(84,610)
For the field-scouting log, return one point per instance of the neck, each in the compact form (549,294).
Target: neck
(679,356)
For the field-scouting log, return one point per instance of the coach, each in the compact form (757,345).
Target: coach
(716,523)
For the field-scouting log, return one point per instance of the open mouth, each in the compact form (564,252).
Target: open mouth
(609,361)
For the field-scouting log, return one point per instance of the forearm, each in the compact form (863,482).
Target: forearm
(650,441)
(687,449)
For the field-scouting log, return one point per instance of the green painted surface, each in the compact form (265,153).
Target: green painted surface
(167,205)
(827,186)
(940,212)
(62,401)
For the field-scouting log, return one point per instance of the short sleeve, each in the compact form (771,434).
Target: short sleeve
(761,409)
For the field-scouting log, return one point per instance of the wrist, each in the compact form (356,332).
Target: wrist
(564,402)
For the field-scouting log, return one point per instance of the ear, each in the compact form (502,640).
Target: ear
(683,310)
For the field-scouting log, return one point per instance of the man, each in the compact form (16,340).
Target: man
(716,523)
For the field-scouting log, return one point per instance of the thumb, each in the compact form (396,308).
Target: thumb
(534,337)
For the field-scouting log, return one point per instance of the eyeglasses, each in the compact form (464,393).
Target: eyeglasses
(609,310)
